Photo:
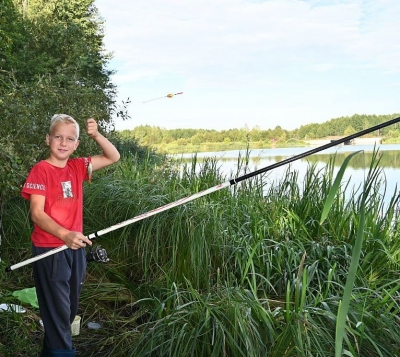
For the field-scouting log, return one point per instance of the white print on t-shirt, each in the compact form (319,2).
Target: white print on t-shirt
(67,189)
(35,186)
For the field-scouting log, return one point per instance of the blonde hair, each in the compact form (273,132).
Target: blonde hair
(63,118)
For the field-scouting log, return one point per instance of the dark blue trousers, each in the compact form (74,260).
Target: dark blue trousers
(58,280)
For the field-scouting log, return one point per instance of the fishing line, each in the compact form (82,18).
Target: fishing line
(165,96)
(209,190)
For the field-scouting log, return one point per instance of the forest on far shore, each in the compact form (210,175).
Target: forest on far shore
(171,140)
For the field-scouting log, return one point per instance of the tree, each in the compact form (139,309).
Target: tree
(310,135)
(197,139)
(12,34)
(349,131)
(65,37)
(53,62)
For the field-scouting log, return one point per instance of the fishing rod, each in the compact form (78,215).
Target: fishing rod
(208,191)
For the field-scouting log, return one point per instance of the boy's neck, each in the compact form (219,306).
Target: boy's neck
(58,163)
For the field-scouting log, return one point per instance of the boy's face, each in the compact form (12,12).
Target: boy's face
(63,141)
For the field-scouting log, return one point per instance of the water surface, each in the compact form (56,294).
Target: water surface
(355,175)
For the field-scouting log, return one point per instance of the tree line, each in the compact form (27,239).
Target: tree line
(343,126)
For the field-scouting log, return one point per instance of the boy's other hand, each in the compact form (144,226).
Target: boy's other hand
(91,128)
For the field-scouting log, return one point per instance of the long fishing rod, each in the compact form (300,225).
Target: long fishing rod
(208,191)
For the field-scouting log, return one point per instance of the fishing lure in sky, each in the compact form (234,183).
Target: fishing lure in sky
(165,96)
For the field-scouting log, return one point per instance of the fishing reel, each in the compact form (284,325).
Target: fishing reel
(97,254)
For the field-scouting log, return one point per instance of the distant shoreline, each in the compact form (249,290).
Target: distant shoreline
(215,147)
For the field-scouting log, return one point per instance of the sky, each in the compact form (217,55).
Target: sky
(252,63)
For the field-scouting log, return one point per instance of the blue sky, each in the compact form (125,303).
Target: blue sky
(253,63)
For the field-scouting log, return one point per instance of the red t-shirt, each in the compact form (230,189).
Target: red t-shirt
(63,190)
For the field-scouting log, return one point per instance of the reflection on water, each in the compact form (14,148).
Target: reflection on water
(356,171)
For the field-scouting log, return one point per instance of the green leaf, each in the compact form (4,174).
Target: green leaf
(351,277)
(335,187)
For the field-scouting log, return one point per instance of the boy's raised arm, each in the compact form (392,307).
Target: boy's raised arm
(110,153)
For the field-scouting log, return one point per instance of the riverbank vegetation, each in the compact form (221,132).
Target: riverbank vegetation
(244,271)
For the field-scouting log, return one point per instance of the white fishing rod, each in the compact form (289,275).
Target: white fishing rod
(208,191)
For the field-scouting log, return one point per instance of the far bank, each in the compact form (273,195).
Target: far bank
(174,148)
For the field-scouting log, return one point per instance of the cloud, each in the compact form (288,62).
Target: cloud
(187,36)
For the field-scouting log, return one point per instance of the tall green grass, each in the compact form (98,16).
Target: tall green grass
(245,271)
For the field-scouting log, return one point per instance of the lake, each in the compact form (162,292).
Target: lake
(356,171)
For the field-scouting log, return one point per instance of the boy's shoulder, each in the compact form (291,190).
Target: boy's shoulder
(78,161)
(41,165)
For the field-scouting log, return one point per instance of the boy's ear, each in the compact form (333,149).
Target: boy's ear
(47,139)
(77,144)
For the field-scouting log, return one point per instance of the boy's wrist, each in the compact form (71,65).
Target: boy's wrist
(63,234)
(96,135)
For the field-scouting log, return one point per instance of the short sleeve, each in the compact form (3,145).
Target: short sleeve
(35,184)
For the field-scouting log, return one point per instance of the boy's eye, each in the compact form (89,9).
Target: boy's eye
(58,137)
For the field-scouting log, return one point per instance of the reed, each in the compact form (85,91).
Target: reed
(247,271)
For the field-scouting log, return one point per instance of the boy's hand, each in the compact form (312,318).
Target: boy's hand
(91,128)
(76,240)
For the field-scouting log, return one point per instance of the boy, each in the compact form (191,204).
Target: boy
(54,188)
